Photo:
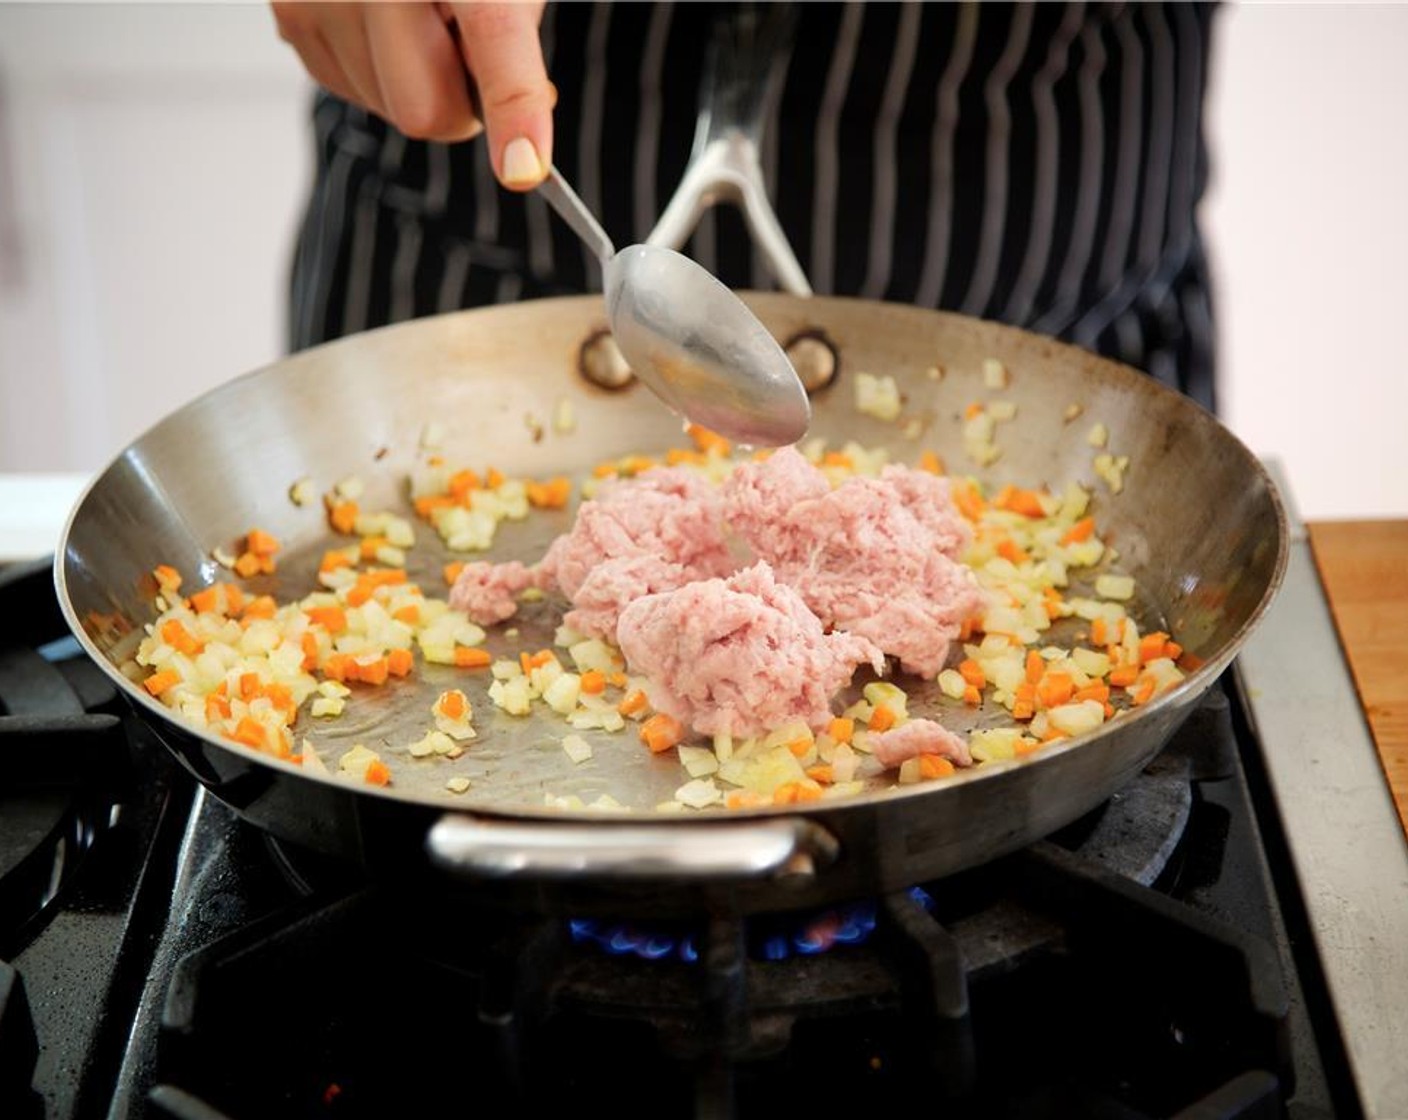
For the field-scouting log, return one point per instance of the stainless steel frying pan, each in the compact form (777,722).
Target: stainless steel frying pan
(1198,523)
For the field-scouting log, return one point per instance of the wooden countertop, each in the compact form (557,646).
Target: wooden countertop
(1364,567)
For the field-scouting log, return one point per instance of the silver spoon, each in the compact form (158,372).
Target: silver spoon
(691,340)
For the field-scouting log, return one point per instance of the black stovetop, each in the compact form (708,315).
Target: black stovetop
(167,959)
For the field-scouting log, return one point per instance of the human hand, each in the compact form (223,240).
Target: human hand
(437,72)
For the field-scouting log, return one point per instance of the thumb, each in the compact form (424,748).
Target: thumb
(505,59)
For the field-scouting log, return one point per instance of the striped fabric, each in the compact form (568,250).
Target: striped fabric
(1037,164)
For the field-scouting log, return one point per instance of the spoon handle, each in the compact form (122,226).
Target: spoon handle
(574,212)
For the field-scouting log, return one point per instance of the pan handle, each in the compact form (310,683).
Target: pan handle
(521,849)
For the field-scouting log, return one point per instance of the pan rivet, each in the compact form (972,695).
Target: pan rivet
(815,358)
(601,363)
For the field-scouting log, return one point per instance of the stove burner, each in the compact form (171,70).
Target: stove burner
(63,752)
(774,938)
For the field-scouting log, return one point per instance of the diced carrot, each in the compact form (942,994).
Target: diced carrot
(742,799)
(882,718)
(1143,690)
(359,594)
(333,559)
(1023,709)
(604,470)
(174,633)
(452,571)
(1055,689)
(373,672)
(452,704)
(631,703)
(261,543)
(966,628)
(1151,646)
(593,682)
(841,729)
(409,614)
(799,747)
(310,651)
(383,577)
(539,659)
(463,483)
(261,606)
(1109,710)
(207,601)
(342,516)
(1026,502)
(332,619)
(934,766)
(249,686)
(616,679)
(972,697)
(553,494)
(1010,550)
(1173,651)
(247,565)
(1122,676)
(838,459)
(822,774)
(678,456)
(969,502)
(340,667)
(1100,692)
(1080,531)
(1035,667)
(250,732)
(426,505)
(469,657)
(377,773)
(1099,633)
(790,793)
(973,410)
(370,545)
(216,708)
(158,683)
(1021,750)
(637,464)
(281,696)
(1190,662)
(972,672)
(167,577)
(493,479)
(661,732)
(399,662)
(1052,735)
(707,440)
(930,462)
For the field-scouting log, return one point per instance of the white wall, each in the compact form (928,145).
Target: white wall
(152,159)
(1308,218)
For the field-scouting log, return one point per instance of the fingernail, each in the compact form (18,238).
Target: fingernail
(521,162)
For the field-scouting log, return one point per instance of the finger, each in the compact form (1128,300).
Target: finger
(343,28)
(505,59)
(420,72)
(298,28)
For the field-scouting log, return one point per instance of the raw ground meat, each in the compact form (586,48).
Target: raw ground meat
(488,593)
(874,557)
(653,533)
(740,656)
(918,736)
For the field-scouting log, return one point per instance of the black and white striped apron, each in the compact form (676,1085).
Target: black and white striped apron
(1036,164)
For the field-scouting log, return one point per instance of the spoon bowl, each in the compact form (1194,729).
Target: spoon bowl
(700,349)
(689,339)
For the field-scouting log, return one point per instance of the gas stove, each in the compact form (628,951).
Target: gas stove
(1192,948)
